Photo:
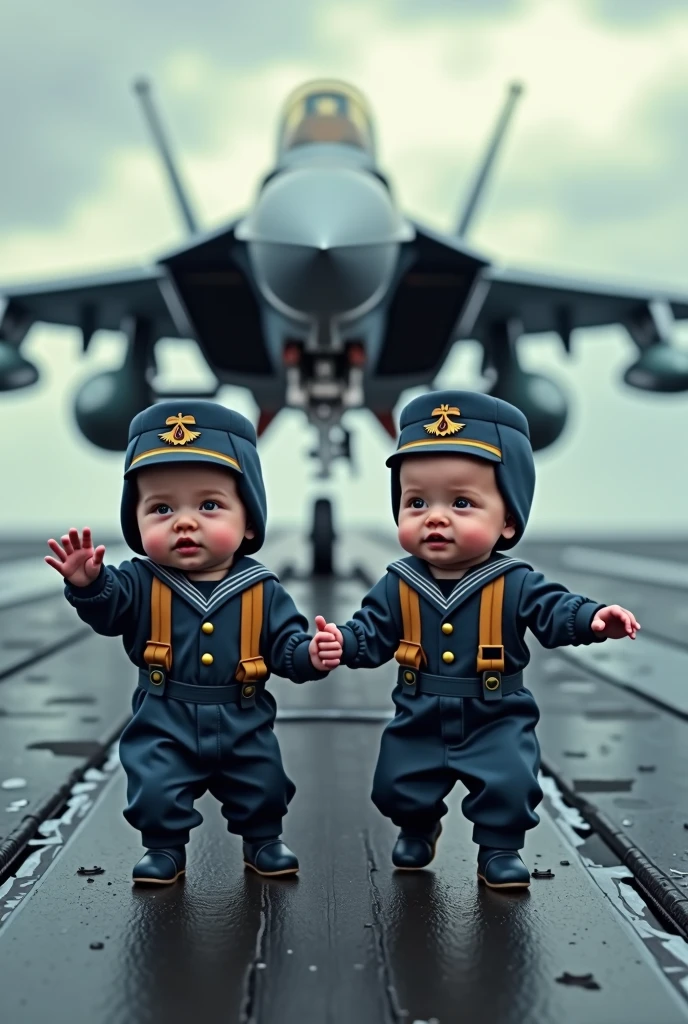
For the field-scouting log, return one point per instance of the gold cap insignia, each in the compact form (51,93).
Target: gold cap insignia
(444,425)
(180,434)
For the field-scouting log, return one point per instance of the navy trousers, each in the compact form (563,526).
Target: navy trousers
(174,751)
(490,747)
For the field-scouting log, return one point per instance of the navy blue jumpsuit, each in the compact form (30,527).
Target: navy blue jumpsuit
(435,741)
(174,750)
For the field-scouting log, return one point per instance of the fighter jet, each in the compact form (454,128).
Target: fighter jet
(325,297)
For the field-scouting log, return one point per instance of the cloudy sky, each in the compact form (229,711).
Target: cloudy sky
(591,182)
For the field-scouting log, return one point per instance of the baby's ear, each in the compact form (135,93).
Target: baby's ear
(249,532)
(509,528)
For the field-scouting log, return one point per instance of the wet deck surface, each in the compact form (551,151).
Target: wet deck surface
(351,940)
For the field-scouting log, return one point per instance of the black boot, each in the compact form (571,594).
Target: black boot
(270,857)
(160,867)
(414,850)
(502,869)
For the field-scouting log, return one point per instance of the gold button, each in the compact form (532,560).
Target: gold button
(207,627)
(409,677)
(207,659)
(248,691)
(156,677)
(447,628)
(448,657)
(492,683)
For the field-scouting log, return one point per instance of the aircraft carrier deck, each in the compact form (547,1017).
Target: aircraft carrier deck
(600,937)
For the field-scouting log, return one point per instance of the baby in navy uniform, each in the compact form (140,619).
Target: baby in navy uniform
(206,625)
(454,615)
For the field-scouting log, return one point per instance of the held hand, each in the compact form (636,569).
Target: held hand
(615,622)
(77,560)
(325,652)
(325,649)
(328,627)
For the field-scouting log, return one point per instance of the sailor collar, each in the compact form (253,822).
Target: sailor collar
(416,573)
(242,575)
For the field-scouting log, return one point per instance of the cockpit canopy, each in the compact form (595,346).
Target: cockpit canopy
(326,110)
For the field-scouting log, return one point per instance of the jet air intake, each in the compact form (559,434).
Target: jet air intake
(324,240)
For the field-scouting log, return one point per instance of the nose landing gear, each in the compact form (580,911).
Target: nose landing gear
(323,538)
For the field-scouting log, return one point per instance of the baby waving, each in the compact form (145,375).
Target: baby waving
(77,560)
(326,646)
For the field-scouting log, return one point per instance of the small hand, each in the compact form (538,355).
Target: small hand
(325,649)
(328,627)
(77,560)
(616,622)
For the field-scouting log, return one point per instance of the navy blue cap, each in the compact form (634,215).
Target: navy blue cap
(194,432)
(470,423)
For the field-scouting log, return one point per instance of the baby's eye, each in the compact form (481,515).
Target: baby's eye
(162,510)
(417,503)
(209,506)
(461,503)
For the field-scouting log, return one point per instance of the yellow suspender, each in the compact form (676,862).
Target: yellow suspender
(251,667)
(490,648)
(409,653)
(158,652)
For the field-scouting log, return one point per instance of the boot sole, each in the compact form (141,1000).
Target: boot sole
(503,885)
(271,874)
(158,881)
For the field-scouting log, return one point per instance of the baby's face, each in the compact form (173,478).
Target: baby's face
(451,512)
(190,516)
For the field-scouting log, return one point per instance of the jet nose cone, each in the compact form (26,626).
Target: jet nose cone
(323,240)
(325,208)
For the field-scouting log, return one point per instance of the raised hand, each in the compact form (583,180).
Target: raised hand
(77,560)
(615,622)
(325,649)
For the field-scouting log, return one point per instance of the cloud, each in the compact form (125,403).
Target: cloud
(636,12)
(69,77)
(457,8)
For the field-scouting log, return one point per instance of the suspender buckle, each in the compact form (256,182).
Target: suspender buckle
(248,695)
(488,654)
(492,685)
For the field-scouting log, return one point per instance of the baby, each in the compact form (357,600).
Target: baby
(206,625)
(454,616)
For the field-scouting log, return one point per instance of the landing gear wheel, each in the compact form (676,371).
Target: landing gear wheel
(323,538)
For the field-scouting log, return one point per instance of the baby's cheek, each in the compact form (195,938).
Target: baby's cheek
(477,537)
(155,541)
(408,534)
(224,536)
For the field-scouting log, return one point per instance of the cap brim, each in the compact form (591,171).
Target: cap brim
(449,446)
(173,456)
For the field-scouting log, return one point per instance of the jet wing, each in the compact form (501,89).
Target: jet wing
(435,278)
(213,278)
(100,301)
(544,303)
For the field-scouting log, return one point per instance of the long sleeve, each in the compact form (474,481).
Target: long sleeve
(372,636)
(287,639)
(111,603)
(554,615)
